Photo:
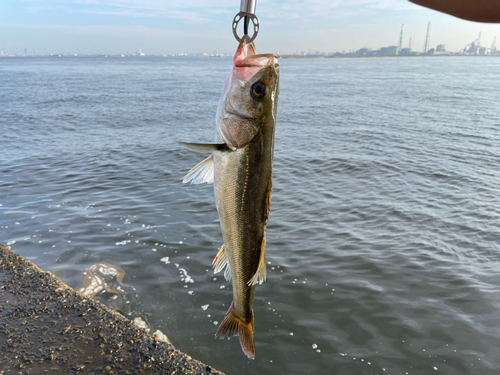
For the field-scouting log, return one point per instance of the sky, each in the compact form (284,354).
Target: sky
(197,26)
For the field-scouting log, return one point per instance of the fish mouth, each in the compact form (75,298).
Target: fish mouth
(247,62)
(257,61)
(244,50)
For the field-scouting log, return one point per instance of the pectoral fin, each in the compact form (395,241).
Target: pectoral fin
(205,147)
(202,172)
(260,275)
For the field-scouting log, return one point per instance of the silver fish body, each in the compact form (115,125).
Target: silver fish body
(241,167)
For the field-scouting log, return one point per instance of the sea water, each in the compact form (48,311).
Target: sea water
(383,247)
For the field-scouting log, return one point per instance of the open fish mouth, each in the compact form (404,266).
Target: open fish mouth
(247,62)
(244,50)
(257,61)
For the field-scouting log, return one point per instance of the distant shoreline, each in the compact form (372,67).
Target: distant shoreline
(373,57)
(204,57)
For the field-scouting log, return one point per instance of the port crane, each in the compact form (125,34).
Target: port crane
(474,47)
(427,43)
(400,44)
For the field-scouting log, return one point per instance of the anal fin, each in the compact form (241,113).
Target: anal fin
(260,275)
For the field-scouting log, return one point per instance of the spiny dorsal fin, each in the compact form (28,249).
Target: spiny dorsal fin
(220,261)
(202,172)
(260,275)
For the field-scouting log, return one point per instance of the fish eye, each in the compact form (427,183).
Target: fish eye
(258,90)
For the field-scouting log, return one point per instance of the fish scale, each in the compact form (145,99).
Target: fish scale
(241,209)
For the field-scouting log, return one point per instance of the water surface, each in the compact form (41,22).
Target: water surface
(383,246)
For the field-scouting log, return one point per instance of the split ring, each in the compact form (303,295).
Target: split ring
(251,17)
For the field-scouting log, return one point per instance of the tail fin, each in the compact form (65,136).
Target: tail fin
(234,326)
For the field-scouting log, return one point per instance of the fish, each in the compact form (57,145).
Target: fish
(240,166)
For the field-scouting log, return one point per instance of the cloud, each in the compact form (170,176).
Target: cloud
(160,26)
(192,17)
(112,39)
(202,10)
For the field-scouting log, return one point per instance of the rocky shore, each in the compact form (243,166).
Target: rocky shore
(47,327)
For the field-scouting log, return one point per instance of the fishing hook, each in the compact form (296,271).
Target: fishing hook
(247,13)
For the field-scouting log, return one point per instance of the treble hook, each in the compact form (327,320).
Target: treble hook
(247,13)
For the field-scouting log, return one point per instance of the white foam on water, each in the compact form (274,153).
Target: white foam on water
(185,277)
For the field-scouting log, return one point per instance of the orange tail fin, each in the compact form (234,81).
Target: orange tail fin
(234,326)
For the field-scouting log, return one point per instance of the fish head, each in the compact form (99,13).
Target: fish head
(249,100)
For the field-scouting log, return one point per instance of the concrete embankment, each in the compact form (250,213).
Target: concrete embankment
(47,327)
